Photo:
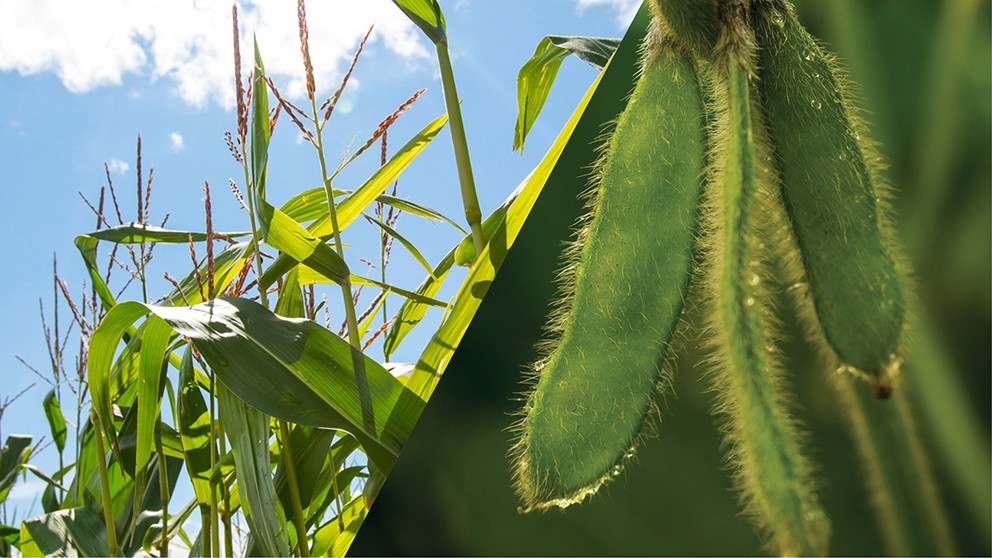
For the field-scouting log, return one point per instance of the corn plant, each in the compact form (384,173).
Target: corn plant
(227,384)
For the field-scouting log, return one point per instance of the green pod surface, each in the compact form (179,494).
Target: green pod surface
(833,198)
(624,284)
(695,22)
(770,470)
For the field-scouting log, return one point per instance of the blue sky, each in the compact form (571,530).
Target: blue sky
(77,86)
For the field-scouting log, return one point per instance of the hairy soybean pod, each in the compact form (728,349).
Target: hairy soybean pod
(624,285)
(696,22)
(769,468)
(833,197)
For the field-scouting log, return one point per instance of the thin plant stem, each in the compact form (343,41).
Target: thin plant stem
(337,491)
(294,491)
(101,462)
(163,484)
(214,534)
(225,496)
(205,529)
(469,197)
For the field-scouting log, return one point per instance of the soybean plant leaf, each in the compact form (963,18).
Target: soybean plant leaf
(538,74)
(297,371)
(248,430)
(56,422)
(413,310)
(426,14)
(134,233)
(566,161)
(81,528)
(15,453)
(352,206)
(406,243)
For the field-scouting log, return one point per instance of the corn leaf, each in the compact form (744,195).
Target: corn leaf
(330,539)
(426,14)
(351,207)
(56,422)
(194,429)
(48,534)
(413,310)
(134,233)
(406,244)
(538,74)
(248,430)
(14,454)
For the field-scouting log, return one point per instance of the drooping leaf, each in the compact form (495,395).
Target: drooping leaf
(14,454)
(426,14)
(194,429)
(566,161)
(308,277)
(289,368)
(154,344)
(312,204)
(248,430)
(352,206)
(413,310)
(330,539)
(134,233)
(56,422)
(48,534)
(406,243)
(538,74)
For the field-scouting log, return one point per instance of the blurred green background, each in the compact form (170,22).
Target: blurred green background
(925,70)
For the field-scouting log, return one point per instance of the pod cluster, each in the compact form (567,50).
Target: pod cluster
(739,148)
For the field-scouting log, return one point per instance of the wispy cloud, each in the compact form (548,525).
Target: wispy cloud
(188,43)
(116,166)
(177,141)
(625,9)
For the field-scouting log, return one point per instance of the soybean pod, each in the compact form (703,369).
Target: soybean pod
(834,199)
(624,285)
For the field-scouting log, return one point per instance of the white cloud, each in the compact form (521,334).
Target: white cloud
(116,166)
(188,42)
(178,143)
(625,9)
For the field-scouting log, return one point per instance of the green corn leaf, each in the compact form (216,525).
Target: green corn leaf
(465,251)
(227,265)
(308,277)
(351,207)
(290,302)
(87,248)
(48,535)
(289,368)
(406,244)
(310,449)
(413,310)
(248,430)
(14,454)
(538,74)
(426,14)
(56,422)
(418,210)
(154,344)
(134,233)
(566,161)
(330,539)
(194,429)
